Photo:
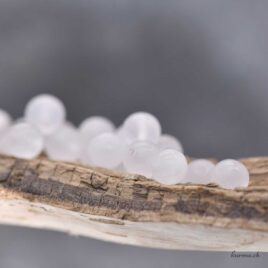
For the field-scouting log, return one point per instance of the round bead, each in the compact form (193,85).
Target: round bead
(64,144)
(169,142)
(22,140)
(199,171)
(230,174)
(45,112)
(105,150)
(139,158)
(5,121)
(169,167)
(94,126)
(141,126)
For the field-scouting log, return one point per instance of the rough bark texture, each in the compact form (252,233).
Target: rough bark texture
(96,191)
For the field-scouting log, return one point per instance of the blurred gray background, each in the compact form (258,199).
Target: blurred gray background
(199,66)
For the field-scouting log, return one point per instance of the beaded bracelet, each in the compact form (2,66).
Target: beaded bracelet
(137,146)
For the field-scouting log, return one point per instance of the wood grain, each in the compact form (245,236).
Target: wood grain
(193,214)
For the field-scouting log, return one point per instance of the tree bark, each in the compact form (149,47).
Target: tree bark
(132,209)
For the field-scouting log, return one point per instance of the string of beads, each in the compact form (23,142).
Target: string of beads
(137,146)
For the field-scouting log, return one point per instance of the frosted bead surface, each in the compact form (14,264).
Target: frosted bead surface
(199,171)
(137,146)
(45,112)
(94,126)
(64,144)
(5,121)
(105,150)
(169,167)
(230,174)
(169,142)
(141,126)
(139,158)
(22,140)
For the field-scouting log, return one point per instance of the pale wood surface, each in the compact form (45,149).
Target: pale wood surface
(134,210)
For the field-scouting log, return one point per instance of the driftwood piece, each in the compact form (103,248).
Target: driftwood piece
(131,209)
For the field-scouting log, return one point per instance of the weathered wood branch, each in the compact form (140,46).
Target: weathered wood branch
(132,209)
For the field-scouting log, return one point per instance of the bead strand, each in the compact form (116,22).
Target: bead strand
(137,146)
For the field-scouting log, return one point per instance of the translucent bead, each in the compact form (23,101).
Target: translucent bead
(230,174)
(169,167)
(105,150)
(169,142)
(141,126)
(94,126)
(119,131)
(45,112)
(139,158)
(199,171)
(64,144)
(22,140)
(5,121)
